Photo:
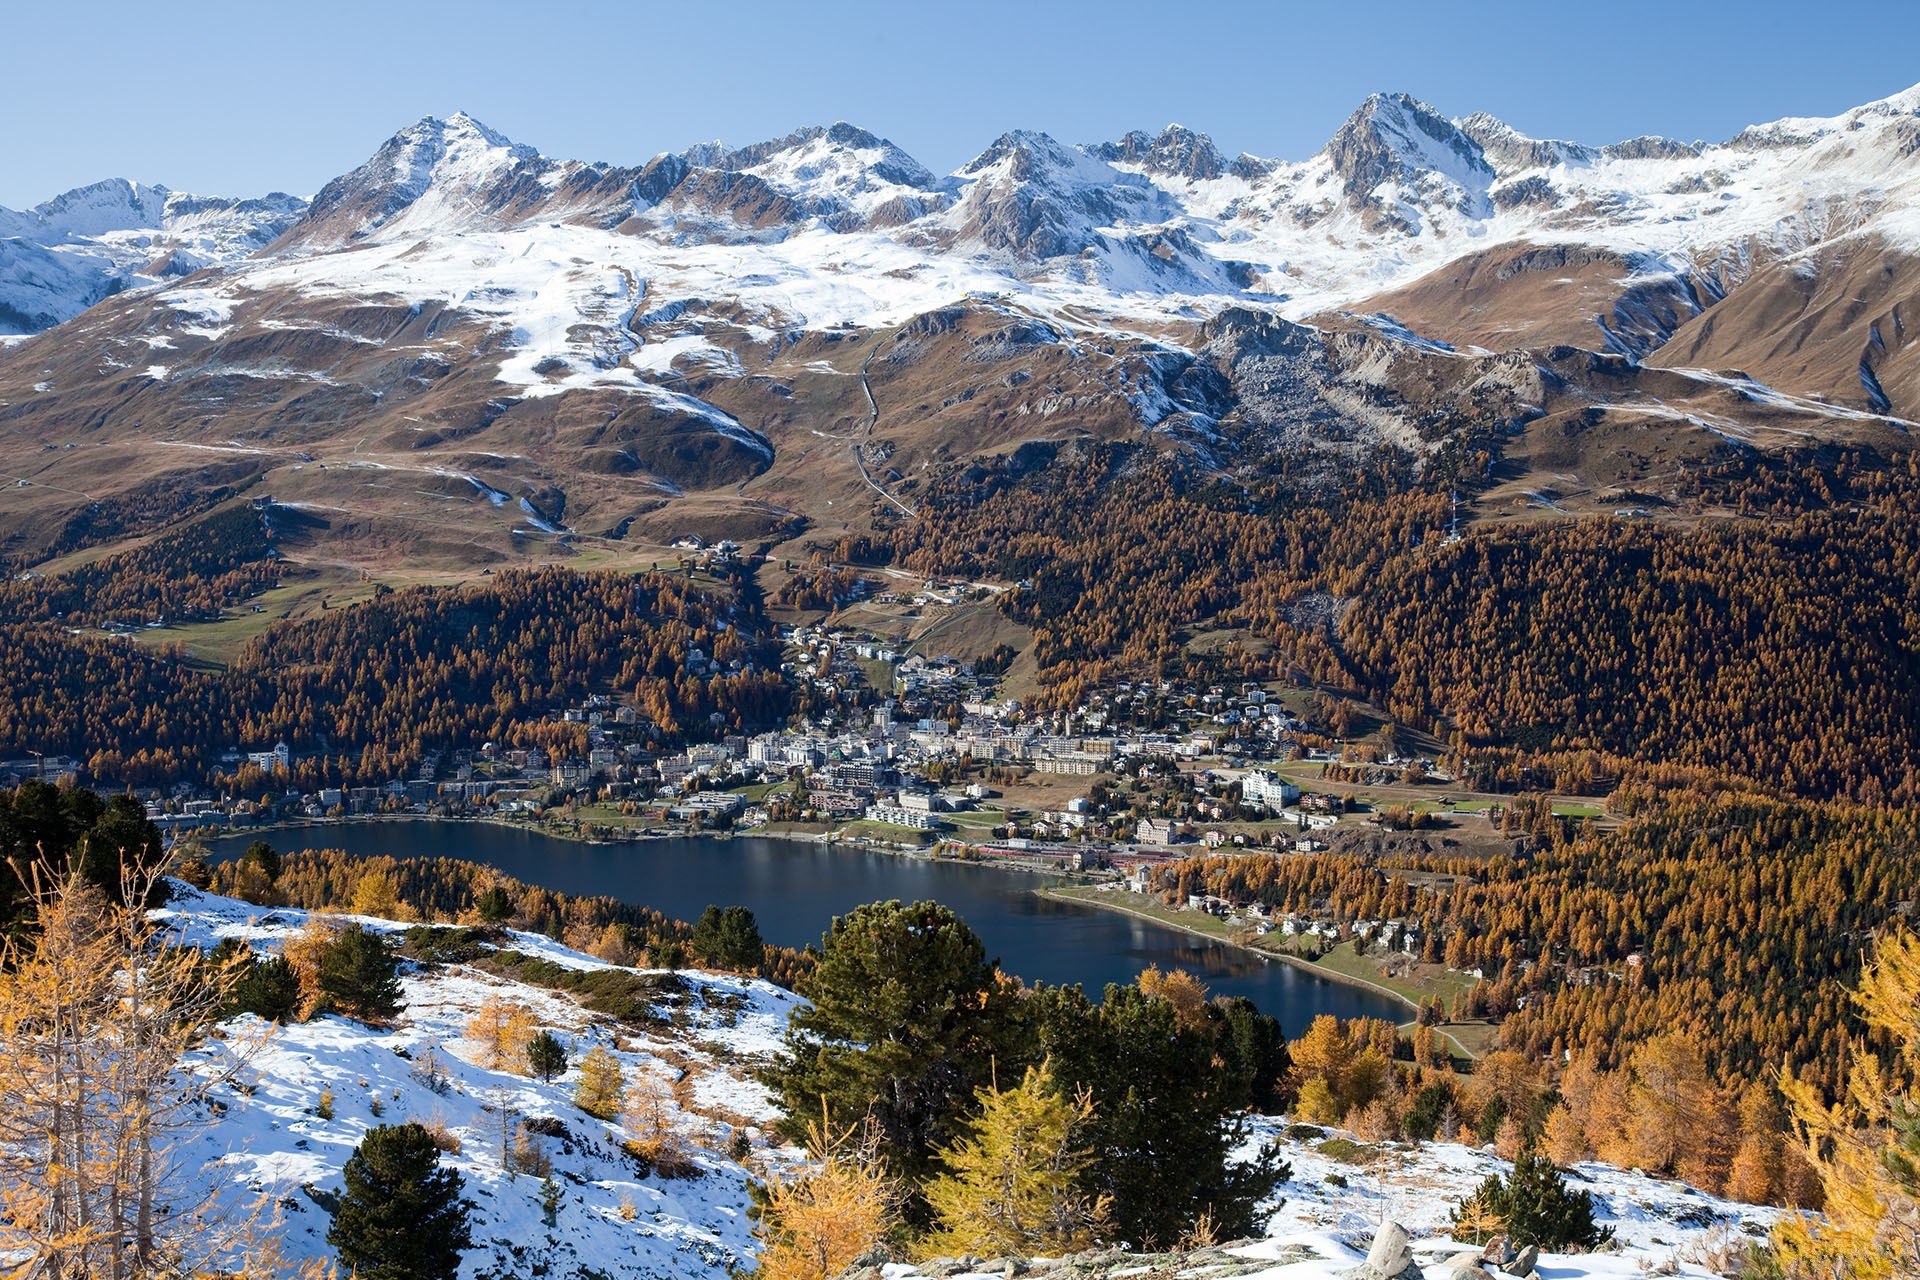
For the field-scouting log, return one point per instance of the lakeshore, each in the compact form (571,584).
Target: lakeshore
(1471,1040)
(796,887)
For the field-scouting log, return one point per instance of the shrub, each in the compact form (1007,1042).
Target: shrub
(625,997)
(442,1137)
(431,1072)
(1347,1151)
(663,1157)
(529,1155)
(447,944)
(1533,1205)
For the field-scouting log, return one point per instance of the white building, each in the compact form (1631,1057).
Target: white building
(1268,791)
(894,815)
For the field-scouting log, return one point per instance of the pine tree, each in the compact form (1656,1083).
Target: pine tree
(602,1086)
(905,1018)
(729,939)
(1166,1122)
(401,1216)
(1013,1182)
(265,986)
(493,905)
(546,1057)
(1533,1205)
(262,855)
(359,976)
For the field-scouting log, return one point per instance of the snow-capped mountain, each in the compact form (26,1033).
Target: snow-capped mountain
(59,258)
(1397,192)
(699,323)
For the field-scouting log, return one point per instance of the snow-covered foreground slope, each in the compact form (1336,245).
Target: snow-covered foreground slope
(612,1221)
(1660,1227)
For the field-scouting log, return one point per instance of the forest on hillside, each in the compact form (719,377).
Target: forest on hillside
(1772,643)
(374,687)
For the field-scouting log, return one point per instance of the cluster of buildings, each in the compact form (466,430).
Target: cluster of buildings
(902,739)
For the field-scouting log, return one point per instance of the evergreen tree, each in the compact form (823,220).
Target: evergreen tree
(121,841)
(546,1057)
(1165,1120)
(359,976)
(265,985)
(1533,1205)
(401,1216)
(906,1016)
(728,939)
(1253,1046)
(1013,1182)
(263,855)
(494,905)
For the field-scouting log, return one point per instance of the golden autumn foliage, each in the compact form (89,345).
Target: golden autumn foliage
(1012,1181)
(1864,1148)
(388,679)
(1186,993)
(97,1007)
(502,1029)
(601,1089)
(1725,920)
(1732,647)
(816,1221)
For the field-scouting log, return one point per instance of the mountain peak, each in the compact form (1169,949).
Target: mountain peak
(455,155)
(112,204)
(429,142)
(846,156)
(1394,138)
(1029,156)
(1175,152)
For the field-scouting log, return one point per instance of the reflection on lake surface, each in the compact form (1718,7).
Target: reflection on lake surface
(795,888)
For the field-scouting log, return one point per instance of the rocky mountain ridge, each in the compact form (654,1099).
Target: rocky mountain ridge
(714,340)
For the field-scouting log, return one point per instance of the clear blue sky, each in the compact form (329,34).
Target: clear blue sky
(239,99)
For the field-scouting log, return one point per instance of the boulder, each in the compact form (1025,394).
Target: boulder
(1523,1263)
(1390,1257)
(1498,1253)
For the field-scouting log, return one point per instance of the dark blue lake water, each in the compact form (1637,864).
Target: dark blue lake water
(795,888)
